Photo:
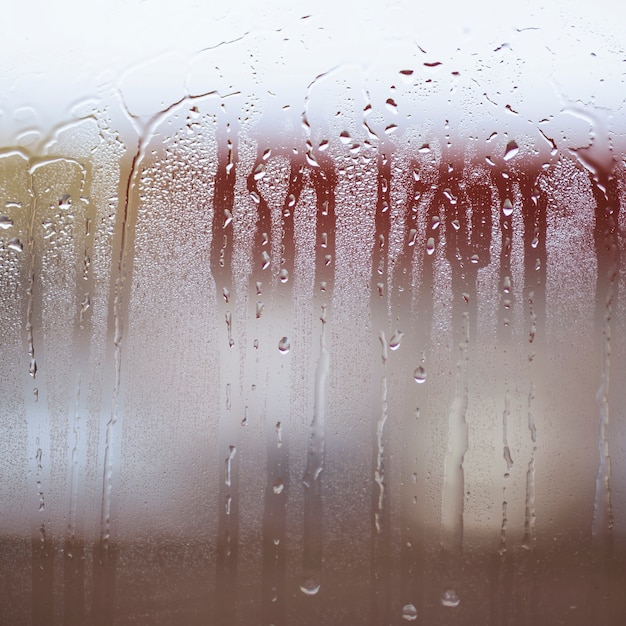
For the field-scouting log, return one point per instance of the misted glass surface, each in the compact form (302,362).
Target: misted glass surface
(316,319)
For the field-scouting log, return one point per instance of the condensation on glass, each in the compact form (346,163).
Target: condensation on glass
(343,347)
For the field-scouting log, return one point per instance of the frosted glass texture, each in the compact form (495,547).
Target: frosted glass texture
(312,318)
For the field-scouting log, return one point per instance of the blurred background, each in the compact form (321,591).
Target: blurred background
(312,315)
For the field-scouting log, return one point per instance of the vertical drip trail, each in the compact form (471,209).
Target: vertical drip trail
(105,552)
(607,250)
(225,191)
(529,539)
(42,546)
(379,471)
(312,479)
(603,511)
(534,207)
(278,196)
(453,493)
(380,305)
(504,573)
(380,539)
(506,415)
(74,546)
(506,454)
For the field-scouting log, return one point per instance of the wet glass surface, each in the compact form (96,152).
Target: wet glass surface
(314,319)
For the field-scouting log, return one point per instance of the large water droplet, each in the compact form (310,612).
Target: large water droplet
(430,245)
(15,244)
(420,375)
(409,613)
(507,207)
(278,487)
(392,105)
(394,342)
(511,150)
(5,222)
(284,344)
(310,586)
(259,172)
(228,217)
(450,598)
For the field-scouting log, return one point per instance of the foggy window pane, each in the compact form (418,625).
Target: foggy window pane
(313,316)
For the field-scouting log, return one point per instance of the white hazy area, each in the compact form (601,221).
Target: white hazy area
(559,63)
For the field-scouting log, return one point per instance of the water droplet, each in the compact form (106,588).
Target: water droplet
(283,275)
(507,284)
(5,222)
(434,222)
(226,294)
(392,105)
(310,586)
(65,202)
(474,258)
(511,150)
(228,217)
(256,198)
(394,342)
(425,149)
(278,487)
(456,224)
(391,129)
(259,308)
(259,171)
(430,245)
(535,242)
(409,613)
(345,138)
(507,207)
(284,345)
(32,368)
(450,598)
(412,236)
(449,196)
(15,244)
(420,375)
(266,260)
(310,159)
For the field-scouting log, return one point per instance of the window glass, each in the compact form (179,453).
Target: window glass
(312,315)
